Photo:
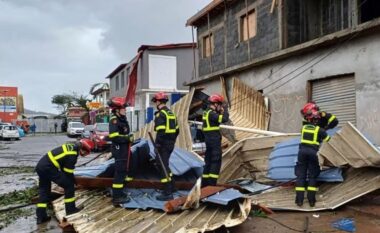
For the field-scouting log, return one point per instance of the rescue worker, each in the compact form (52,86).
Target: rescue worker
(307,165)
(58,166)
(326,120)
(166,126)
(213,116)
(119,134)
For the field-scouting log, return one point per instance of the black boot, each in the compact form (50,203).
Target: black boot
(42,216)
(311,198)
(71,208)
(299,198)
(167,194)
(117,201)
(204,182)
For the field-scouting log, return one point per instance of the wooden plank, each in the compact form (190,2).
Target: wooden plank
(175,205)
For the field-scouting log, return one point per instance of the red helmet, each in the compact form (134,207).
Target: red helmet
(117,103)
(160,96)
(87,145)
(313,114)
(216,98)
(309,108)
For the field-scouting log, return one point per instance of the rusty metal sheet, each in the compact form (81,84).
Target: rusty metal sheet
(349,147)
(358,182)
(99,215)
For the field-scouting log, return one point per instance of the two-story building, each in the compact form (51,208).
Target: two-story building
(160,68)
(294,51)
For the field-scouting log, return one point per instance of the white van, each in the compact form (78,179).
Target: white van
(75,128)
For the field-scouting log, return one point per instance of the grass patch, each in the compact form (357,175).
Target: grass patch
(15,170)
(18,197)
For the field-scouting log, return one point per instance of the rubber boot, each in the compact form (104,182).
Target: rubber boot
(205,182)
(71,208)
(299,198)
(311,198)
(167,194)
(42,216)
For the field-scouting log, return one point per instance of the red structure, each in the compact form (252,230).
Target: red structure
(8,104)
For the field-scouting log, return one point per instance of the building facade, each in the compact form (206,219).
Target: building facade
(160,68)
(294,51)
(8,104)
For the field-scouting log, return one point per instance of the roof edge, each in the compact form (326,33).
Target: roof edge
(193,19)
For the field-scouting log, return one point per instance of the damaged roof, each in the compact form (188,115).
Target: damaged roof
(99,215)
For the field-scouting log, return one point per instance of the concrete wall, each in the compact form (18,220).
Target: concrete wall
(265,41)
(359,56)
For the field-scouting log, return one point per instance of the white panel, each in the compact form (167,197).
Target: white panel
(162,72)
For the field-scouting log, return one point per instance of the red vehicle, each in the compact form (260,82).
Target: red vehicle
(99,136)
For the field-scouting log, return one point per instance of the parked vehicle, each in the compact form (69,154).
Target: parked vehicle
(75,129)
(99,136)
(87,131)
(9,132)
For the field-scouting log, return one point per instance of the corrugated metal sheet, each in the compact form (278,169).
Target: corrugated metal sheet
(349,146)
(181,109)
(337,96)
(247,109)
(99,215)
(358,182)
(249,158)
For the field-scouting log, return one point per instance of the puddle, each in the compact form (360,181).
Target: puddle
(16,182)
(28,224)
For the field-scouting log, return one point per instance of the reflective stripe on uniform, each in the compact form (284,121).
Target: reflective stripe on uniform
(169,117)
(41,205)
(220,118)
(112,135)
(206,176)
(311,130)
(311,188)
(68,170)
(331,119)
(300,189)
(117,186)
(128,178)
(215,176)
(67,150)
(165,180)
(68,200)
(206,119)
(326,139)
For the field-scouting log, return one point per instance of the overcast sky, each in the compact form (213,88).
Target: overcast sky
(50,47)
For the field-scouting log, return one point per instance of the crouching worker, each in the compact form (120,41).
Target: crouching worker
(308,166)
(58,166)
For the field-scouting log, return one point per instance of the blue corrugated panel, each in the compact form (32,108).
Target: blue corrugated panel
(146,199)
(283,159)
(224,197)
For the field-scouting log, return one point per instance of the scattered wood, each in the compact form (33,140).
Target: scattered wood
(175,205)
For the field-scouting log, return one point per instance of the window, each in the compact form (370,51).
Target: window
(248,25)
(127,76)
(208,45)
(122,79)
(117,82)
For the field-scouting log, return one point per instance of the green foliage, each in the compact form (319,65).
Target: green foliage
(18,197)
(15,170)
(8,217)
(62,101)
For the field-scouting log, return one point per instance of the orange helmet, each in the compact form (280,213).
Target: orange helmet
(216,98)
(309,108)
(160,96)
(117,103)
(87,145)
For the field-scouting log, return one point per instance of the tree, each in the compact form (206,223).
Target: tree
(81,101)
(63,101)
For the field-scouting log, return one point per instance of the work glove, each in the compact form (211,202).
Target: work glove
(131,138)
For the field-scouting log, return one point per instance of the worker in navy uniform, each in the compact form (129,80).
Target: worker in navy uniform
(212,117)
(166,127)
(119,134)
(58,166)
(326,120)
(307,165)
